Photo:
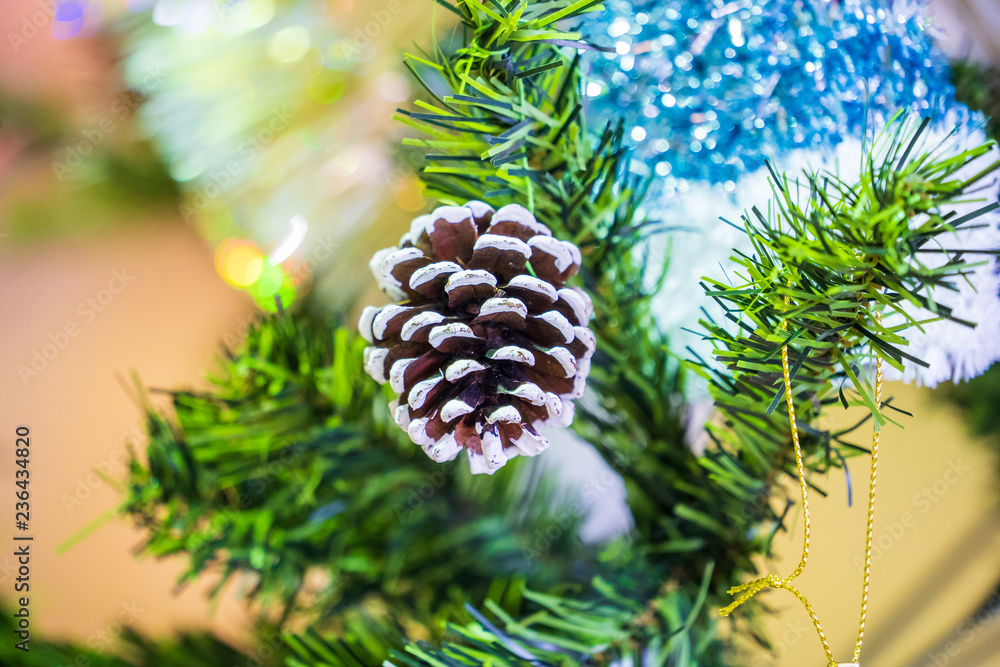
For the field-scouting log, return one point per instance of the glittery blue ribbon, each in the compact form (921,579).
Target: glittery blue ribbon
(709,90)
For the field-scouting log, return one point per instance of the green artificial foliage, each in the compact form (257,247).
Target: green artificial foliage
(592,625)
(836,269)
(132,649)
(291,467)
(830,258)
(203,461)
(512,137)
(978,87)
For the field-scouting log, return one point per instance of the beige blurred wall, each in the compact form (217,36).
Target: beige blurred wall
(936,540)
(95,311)
(143,298)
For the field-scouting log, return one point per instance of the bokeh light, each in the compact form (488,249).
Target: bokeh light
(409,194)
(297,233)
(235,17)
(393,87)
(269,283)
(309,140)
(325,86)
(261,12)
(290,44)
(68,20)
(286,294)
(347,162)
(239,262)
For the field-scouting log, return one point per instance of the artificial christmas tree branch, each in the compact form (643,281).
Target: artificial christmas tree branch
(586,194)
(828,265)
(126,647)
(598,625)
(288,468)
(838,253)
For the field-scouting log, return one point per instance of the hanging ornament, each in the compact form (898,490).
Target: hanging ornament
(484,342)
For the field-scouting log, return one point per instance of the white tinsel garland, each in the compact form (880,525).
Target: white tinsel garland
(954,352)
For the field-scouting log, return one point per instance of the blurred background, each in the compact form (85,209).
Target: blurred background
(167,168)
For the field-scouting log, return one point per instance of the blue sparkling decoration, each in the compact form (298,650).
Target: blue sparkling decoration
(69,19)
(710,88)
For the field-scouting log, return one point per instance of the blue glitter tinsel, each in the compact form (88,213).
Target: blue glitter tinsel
(710,89)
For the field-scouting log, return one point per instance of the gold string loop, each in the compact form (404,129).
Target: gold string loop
(748,590)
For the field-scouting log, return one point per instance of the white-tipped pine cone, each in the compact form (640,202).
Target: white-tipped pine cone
(484,344)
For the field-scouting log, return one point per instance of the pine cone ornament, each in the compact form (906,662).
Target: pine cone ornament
(484,343)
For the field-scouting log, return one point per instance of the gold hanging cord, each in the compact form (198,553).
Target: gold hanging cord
(748,590)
